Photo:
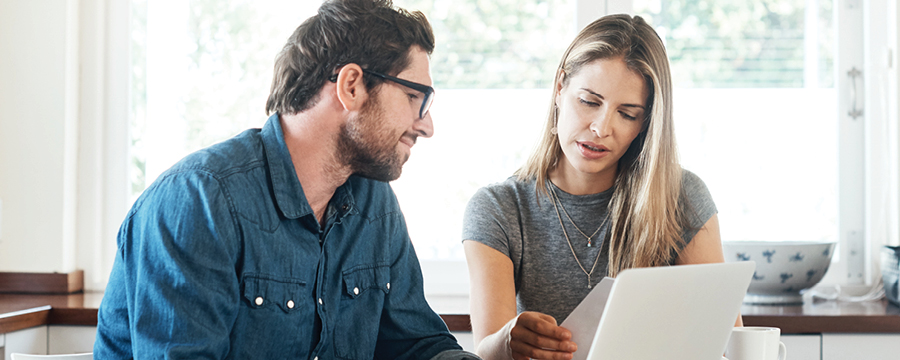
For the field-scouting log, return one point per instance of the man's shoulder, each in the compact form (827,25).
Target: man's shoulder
(208,169)
(242,152)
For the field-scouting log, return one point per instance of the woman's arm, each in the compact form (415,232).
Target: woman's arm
(497,331)
(705,248)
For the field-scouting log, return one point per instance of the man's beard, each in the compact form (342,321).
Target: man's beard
(368,147)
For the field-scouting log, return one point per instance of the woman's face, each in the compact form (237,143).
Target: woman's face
(601,111)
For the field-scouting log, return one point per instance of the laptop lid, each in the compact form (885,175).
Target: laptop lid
(675,313)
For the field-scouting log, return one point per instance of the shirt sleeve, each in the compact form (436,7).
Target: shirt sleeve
(177,255)
(698,204)
(487,220)
(409,328)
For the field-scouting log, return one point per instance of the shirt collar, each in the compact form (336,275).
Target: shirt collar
(289,195)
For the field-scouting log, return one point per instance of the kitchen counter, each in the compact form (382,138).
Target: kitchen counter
(27,310)
(24,311)
(827,317)
(813,317)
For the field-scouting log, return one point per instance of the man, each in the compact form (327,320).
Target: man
(286,241)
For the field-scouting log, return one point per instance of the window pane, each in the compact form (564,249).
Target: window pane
(497,44)
(493,67)
(756,111)
(745,44)
(201,73)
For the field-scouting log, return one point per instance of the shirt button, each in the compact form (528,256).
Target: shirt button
(389,286)
(320,301)
(356,291)
(345,207)
(316,358)
(259,301)
(290,304)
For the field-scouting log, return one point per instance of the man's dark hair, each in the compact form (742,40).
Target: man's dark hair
(370,33)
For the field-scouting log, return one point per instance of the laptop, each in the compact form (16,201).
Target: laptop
(675,313)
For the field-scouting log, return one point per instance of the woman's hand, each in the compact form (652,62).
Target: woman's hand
(498,333)
(533,335)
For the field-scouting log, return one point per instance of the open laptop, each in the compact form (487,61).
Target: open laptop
(674,313)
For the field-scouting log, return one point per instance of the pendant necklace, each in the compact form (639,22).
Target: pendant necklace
(566,234)
(589,238)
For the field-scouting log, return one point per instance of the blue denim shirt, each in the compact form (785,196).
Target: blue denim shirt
(223,258)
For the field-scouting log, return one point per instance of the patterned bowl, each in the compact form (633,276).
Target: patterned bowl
(783,269)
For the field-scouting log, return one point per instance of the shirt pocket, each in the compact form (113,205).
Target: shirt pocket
(359,317)
(275,318)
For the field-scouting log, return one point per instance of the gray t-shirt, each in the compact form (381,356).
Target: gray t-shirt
(509,217)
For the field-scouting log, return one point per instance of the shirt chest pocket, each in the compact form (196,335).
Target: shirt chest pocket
(272,307)
(364,291)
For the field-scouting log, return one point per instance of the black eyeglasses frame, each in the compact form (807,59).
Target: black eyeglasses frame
(428,91)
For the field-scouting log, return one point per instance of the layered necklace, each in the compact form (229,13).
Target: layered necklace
(556,201)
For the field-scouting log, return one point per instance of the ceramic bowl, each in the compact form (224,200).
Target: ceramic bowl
(784,269)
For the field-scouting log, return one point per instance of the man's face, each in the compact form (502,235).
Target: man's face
(378,141)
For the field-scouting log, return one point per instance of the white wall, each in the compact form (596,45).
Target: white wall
(63,134)
(37,72)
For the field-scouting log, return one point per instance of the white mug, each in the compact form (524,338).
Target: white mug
(755,343)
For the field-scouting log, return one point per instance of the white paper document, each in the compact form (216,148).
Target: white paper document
(584,320)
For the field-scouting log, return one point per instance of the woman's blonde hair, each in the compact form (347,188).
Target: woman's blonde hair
(646,220)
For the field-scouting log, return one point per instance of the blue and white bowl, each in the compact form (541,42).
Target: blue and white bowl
(784,269)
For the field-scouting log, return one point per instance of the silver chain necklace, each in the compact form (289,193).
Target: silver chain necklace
(589,238)
(566,234)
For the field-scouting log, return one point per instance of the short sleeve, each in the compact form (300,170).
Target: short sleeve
(489,219)
(697,204)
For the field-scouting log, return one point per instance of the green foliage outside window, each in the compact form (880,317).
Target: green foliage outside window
(741,44)
(497,44)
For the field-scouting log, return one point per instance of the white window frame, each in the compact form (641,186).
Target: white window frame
(102,171)
(849,268)
(882,132)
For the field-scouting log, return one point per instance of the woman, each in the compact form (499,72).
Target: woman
(603,192)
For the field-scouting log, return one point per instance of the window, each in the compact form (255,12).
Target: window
(201,72)
(758,102)
(493,67)
(756,111)
(763,95)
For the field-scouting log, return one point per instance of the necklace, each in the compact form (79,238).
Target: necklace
(589,238)
(566,234)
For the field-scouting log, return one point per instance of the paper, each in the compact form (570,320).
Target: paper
(584,320)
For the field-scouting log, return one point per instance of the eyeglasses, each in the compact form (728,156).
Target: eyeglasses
(428,91)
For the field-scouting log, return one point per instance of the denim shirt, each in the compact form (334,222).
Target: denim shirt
(223,258)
